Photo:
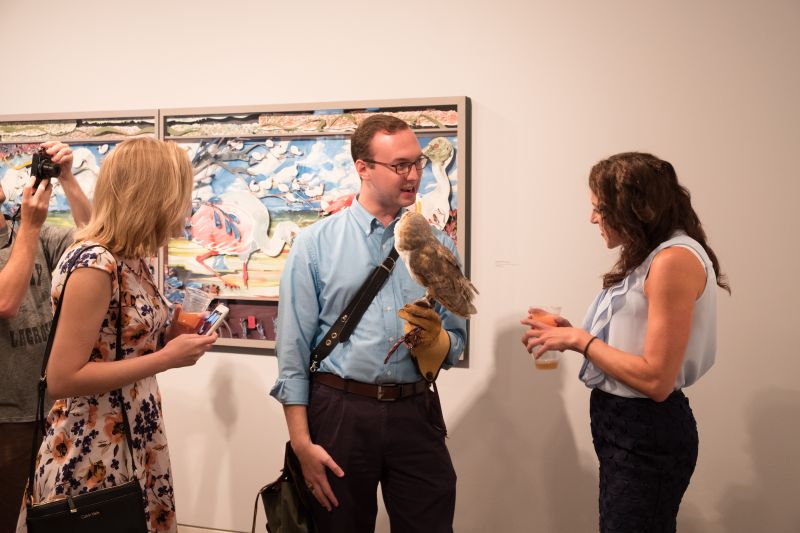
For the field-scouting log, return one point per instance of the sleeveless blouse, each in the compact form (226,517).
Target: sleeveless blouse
(618,317)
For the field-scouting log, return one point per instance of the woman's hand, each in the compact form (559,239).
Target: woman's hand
(186,349)
(176,327)
(559,320)
(547,337)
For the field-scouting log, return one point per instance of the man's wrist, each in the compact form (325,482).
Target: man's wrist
(301,442)
(29,230)
(67,179)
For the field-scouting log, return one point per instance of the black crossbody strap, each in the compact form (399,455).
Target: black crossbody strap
(126,425)
(348,320)
(39,426)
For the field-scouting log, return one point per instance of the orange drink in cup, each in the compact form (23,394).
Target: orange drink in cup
(190,320)
(549,363)
(543,316)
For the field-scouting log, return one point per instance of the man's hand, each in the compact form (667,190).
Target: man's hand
(429,342)
(61,154)
(79,204)
(314,461)
(34,204)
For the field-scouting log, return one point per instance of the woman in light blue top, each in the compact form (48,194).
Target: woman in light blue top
(649,333)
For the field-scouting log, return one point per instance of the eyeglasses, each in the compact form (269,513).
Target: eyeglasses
(402,169)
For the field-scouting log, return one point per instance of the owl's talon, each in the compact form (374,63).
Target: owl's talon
(410,339)
(425,302)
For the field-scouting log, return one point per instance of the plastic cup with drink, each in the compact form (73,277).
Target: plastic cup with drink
(195,303)
(546,314)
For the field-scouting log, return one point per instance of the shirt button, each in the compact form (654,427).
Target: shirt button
(391,339)
(389,373)
(388,307)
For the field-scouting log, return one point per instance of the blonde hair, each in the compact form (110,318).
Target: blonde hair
(142,196)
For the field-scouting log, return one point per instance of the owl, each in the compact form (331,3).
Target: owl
(433,266)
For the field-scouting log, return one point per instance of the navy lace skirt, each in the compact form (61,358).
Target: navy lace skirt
(647,453)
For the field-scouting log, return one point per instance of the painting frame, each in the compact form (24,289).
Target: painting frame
(205,129)
(91,135)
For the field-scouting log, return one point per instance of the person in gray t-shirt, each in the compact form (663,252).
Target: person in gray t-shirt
(26,264)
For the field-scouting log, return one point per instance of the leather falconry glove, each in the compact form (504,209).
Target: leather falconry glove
(430,343)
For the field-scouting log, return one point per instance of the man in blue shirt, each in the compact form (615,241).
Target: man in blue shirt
(357,421)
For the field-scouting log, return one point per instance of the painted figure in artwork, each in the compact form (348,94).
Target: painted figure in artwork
(435,205)
(237,223)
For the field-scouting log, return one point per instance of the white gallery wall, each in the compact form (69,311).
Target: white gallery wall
(555,86)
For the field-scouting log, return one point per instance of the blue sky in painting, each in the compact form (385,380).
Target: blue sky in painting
(286,175)
(86,163)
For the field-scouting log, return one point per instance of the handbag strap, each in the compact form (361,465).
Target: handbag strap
(255,508)
(39,426)
(348,320)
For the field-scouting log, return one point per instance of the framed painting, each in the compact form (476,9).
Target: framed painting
(263,173)
(92,136)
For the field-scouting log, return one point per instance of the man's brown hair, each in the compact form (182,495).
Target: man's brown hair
(362,138)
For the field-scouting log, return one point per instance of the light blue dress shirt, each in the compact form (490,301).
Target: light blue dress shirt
(618,317)
(328,262)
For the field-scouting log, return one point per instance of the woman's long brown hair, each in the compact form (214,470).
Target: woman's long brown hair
(639,197)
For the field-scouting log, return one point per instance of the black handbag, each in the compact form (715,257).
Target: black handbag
(118,509)
(287,501)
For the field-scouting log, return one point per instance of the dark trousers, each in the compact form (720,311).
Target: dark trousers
(647,452)
(395,444)
(15,454)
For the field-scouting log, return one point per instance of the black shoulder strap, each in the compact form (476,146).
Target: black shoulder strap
(348,320)
(39,426)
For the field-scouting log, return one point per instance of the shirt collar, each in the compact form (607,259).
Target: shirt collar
(366,222)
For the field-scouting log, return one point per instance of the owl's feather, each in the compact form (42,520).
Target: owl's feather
(433,266)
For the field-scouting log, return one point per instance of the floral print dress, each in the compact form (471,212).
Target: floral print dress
(85,448)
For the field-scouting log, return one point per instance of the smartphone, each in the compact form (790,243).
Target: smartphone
(213,320)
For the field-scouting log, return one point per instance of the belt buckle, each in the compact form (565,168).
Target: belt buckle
(381,397)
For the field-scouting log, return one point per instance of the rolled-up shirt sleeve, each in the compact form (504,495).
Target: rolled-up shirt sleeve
(298,321)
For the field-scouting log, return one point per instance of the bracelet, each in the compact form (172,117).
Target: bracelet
(586,348)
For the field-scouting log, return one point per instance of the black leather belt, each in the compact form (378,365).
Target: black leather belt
(387,392)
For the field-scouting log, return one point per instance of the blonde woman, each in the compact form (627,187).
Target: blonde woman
(141,199)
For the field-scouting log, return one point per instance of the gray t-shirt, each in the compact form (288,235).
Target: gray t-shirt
(23,337)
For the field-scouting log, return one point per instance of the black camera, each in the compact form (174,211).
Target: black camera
(43,168)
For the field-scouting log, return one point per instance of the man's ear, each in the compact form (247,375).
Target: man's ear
(362,168)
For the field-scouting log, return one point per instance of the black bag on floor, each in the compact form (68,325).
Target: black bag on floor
(287,501)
